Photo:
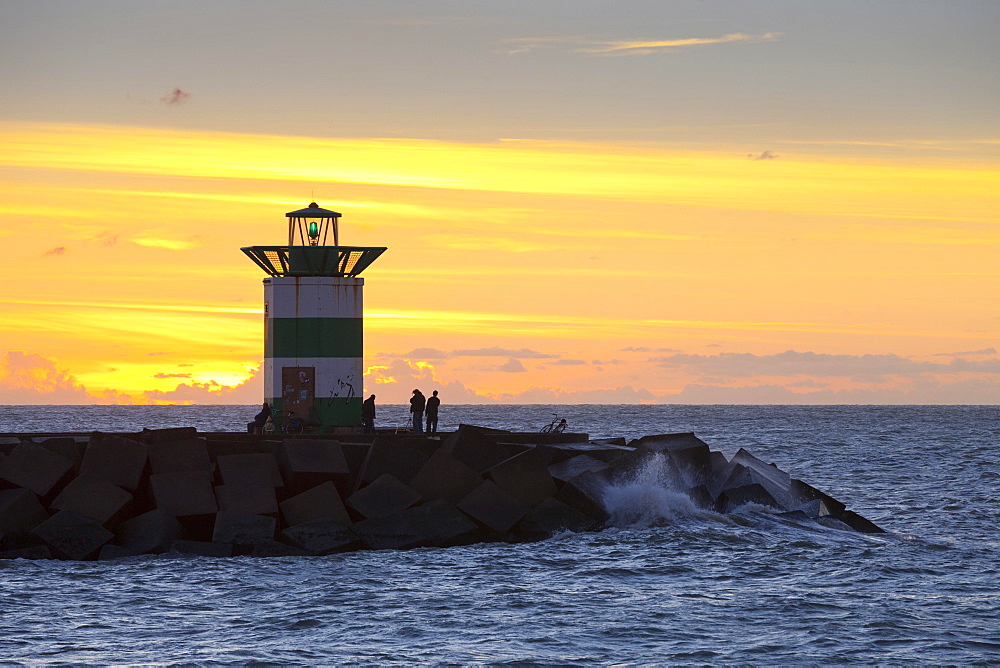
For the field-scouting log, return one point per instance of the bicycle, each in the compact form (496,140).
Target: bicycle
(293,424)
(557,426)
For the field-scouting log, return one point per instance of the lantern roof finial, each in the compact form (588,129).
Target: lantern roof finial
(313,211)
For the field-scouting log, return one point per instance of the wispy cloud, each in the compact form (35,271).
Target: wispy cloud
(629,47)
(512,366)
(58,250)
(860,368)
(175,97)
(436,354)
(765,155)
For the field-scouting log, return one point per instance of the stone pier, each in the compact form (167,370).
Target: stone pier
(107,496)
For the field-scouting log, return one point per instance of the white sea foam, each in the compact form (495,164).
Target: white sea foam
(647,498)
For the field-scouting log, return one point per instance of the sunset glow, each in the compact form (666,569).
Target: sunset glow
(811,261)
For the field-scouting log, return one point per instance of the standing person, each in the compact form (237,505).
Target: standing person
(432,412)
(368,414)
(417,403)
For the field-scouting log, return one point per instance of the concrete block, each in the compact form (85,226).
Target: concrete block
(33,552)
(185,493)
(733,475)
(355,454)
(605,451)
(444,477)
(777,482)
(202,548)
(190,454)
(149,533)
(320,502)
(242,529)
(387,495)
(250,468)
(585,492)
(493,507)
(307,463)
(385,455)
(243,444)
(151,436)
(322,536)
(33,467)
(803,493)
(630,466)
(731,499)
(718,461)
(437,523)
(251,498)
(474,447)
(525,476)
(568,469)
(94,497)
(701,497)
(20,511)
(690,455)
(833,523)
(110,551)
(119,460)
(272,548)
(814,509)
(552,516)
(7,444)
(859,523)
(72,536)
(67,447)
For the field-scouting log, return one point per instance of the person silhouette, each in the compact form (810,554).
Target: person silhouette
(368,414)
(432,412)
(417,403)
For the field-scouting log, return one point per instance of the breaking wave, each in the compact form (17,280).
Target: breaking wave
(648,498)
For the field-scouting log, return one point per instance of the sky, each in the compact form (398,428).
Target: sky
(737,202)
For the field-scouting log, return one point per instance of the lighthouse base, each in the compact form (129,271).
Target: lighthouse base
(313,350)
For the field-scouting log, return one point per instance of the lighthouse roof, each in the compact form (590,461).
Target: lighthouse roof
(312,211)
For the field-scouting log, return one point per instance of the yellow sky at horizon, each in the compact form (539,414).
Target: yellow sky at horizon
(127,243)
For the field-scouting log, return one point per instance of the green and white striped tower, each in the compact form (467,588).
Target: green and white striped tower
(313,320)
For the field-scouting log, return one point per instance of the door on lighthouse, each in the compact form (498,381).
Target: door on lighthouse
(298,389)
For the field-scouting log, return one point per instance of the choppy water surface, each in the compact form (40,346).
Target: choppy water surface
(668,584)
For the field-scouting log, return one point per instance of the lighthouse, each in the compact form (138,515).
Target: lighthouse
(313,321)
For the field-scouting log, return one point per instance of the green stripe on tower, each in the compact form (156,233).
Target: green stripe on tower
(314,337)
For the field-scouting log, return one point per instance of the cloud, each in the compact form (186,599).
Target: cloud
(106,239)
(249,391)
(31,379)
(425,354)
(969,353)
(58,250)
(861,368)
(629,47)
(393,383)
(175,97)
(766,155)
(171,375)
(548,395)
(163,242)
(927,391)
(569,362)
(512,366)
(436,354)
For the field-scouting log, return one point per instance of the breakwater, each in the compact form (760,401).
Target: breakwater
(106,496)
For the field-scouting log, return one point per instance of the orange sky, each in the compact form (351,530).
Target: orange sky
(851,262)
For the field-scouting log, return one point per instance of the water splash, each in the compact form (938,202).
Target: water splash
(648,497)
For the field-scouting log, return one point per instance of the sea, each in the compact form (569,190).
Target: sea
(663,584)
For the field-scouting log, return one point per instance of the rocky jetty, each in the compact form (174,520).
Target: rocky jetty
(107,496)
